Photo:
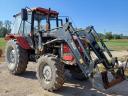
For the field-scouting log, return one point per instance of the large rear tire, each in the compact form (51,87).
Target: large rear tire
(16,58)
(50,72)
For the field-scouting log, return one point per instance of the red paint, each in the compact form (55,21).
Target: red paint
(8,37)
(46,11)
(68,58)
(20,40)
(66,49)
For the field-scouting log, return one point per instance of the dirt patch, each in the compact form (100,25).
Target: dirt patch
(2,59)
(28,85)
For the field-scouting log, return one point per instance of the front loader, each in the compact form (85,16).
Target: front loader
(40,35)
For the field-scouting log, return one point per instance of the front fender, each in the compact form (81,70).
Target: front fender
(20,40)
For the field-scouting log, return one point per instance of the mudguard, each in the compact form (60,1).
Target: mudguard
(20,40)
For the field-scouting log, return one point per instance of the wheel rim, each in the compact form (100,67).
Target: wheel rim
(11,56)
(47,73)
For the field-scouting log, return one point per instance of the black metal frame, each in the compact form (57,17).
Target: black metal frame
(87,65)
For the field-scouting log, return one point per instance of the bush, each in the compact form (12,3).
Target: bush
(108,35)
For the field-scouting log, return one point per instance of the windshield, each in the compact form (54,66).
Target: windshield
(42,23)
(16,25)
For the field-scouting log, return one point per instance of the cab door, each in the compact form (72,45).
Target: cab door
(25,30)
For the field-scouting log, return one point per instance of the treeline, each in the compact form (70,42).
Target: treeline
(5,28)
(110,35)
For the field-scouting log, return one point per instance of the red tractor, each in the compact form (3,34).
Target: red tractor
(40,35)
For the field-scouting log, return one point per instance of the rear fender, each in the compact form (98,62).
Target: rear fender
(20,40)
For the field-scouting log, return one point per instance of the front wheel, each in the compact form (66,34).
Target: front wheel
(50,72)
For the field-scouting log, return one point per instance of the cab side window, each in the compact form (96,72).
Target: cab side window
(25,27)
(16,25)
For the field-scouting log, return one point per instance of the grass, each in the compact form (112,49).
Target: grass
(2,42)
(2,46)
(119,44)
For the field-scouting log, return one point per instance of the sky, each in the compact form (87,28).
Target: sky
(104,15)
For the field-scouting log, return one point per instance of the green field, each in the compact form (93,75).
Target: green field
(2,46)
(2,42)
(119,44)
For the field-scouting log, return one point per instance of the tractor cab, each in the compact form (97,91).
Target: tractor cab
(31,21)
(45,19)
(36,19)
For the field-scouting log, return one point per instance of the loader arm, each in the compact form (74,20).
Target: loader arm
(66,33)
(110,67)
(84,60)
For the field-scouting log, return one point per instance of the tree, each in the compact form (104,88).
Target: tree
(118,36)
(5,28)
(101,35)
(3,32)
(1,24)
(121,36)
(108,35)
(7,25)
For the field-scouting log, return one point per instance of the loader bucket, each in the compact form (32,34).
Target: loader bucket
(107,79)
(107,84)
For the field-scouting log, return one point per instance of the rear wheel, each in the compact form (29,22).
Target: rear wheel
(77,74)
(50,72)
(16,58)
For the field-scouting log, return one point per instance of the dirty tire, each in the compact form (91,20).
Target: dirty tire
(57,72)
(20,57)
(77,74)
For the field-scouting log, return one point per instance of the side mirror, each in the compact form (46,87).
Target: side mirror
(24,14)
(67,20)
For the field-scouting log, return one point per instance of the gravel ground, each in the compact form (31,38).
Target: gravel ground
(27,85)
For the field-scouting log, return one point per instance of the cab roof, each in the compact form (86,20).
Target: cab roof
(43,11)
